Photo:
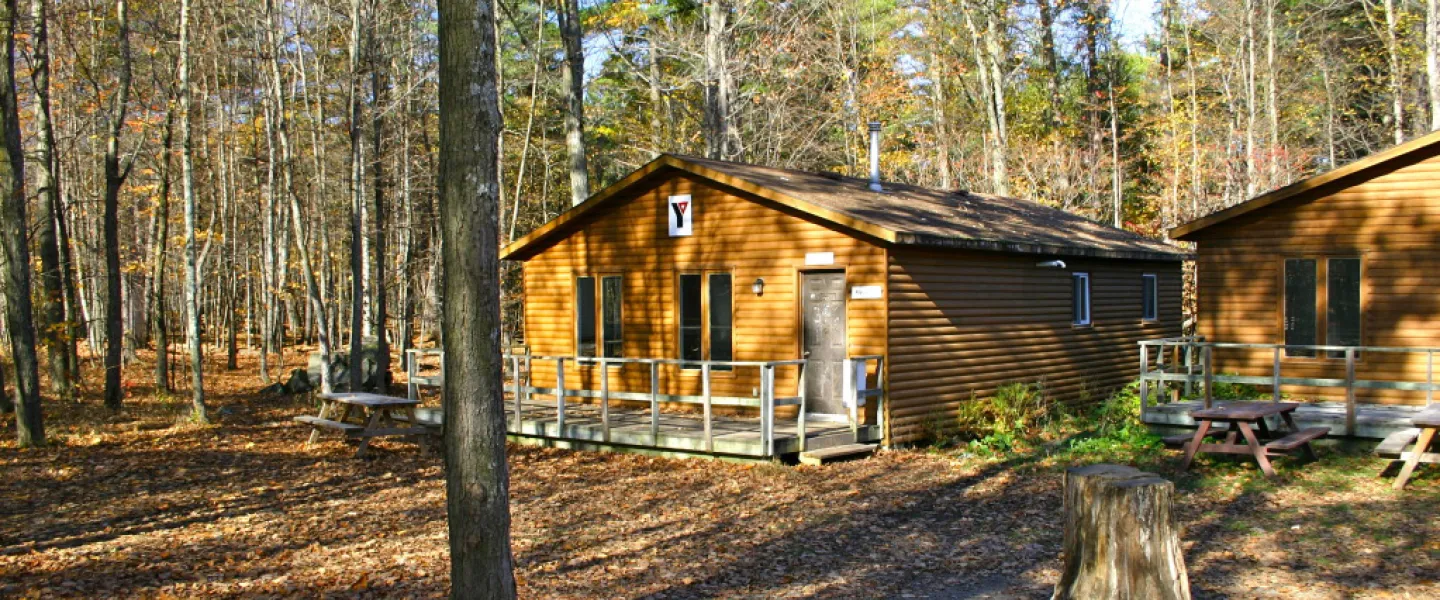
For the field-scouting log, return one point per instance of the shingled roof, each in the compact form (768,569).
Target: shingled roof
(900,214)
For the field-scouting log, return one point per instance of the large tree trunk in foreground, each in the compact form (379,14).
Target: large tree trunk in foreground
(1121,539)
(14,248)
(477,482)
(198,412)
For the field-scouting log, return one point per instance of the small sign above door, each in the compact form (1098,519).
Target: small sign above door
(865,292)
(820,259)
(682,215)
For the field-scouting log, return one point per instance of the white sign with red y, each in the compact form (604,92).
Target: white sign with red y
(682,215)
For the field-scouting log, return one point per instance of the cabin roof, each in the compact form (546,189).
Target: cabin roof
(900,214)
(1340,177)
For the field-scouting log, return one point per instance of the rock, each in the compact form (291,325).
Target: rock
(299,382)
(340,368)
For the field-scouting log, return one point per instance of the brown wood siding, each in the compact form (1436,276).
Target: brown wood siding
(964,323)
(1391,220)
(743,235)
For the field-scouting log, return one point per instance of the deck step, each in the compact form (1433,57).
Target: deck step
(837,453)
(349,428)
(1299,438)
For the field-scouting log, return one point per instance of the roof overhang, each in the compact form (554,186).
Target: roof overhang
(931,241)
(1360,168)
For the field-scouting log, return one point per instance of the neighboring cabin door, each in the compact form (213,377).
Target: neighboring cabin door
(823,341)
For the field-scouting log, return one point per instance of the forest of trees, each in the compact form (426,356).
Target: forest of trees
(299,138)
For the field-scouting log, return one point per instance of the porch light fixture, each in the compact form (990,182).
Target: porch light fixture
(758,287)
(1051,264)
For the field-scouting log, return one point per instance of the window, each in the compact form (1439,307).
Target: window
(1300,296)
(585,316)
(1149,297)
(705,318)
(1080,298)
(611,323)
(720,347)
(1342,303)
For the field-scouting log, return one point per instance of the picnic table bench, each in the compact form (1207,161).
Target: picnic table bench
(382,421)
(1247,420)
(1426,423)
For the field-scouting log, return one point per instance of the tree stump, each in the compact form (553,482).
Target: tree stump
(1121,540)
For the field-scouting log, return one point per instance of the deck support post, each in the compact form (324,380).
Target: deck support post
(604,401)
(1208,367)
(655,403)
(767,410)
(1275,384)
(559,396)
(1145,376)
(880,405)
(850,394)
(800,419)
(1349,391)
(705,393)
(1430,378)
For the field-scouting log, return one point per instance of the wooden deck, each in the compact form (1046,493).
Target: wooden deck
(1371,420)
(630,428)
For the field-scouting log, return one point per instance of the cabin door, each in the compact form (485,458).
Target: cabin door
(823,341)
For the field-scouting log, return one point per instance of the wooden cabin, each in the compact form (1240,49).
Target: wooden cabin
(1344,259)
(955,293)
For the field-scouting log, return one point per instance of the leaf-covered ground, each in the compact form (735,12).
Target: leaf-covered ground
(135,505)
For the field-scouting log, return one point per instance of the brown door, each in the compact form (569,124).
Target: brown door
(824,341)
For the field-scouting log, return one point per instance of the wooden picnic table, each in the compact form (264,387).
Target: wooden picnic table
(1427,423)
(381,421)
(1248,420)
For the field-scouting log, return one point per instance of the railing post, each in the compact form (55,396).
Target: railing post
(767,409)
(1429,378)
(1189,368)
(705,393)
(560,396)
(604,401)
(1208,367)
(1350,391)
(411,389)
(523,398)
(849,391)
(880,405)
(800,393)
(1144,377)
(1275,385)
(655,403)
(515,374)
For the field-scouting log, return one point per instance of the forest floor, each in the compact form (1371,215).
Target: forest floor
(139,504)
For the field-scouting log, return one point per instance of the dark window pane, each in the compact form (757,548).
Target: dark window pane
(1300,321)
(1342,299)
(1080,299)
(610,296)
(691,321)
(1150,298)
(585,316)
(720,298)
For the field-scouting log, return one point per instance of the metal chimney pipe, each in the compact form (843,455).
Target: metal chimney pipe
(875,156)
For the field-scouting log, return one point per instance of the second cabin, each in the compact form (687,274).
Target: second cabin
(688,272)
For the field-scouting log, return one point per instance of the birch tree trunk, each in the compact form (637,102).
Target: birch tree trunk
(198,413)
(717,101)
(15,249)
(1432,59)
(477,479)
(1392,52)
(379,93)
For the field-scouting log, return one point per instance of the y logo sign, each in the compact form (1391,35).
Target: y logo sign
(682,215)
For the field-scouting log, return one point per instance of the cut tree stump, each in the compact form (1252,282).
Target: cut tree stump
(1121,539)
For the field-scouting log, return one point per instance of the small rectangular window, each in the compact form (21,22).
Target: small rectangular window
(720,298)
(1342,303)
(1149,297)
(585,316)
(1301,324)
(692,323)
(611,329)
(1080,298)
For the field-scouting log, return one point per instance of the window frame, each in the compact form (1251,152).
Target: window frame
(1149,299)
(578,321)
(706,323)
(603,340)
(1079,320)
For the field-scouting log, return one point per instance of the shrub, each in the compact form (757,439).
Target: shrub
(1016,411)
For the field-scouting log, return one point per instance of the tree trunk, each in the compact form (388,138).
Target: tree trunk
(115,174)
(15,250)
(1252,176)
(47,179)
(1121,539)
(717,102)
(574,74)
(159,235)
(357,202)
(198,413)
(1272,97)
(1432,59)
(477,479)
(1392,51)
(378,89)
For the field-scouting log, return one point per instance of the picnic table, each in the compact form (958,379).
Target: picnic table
(381,421)
(1247,420)
(1426,423)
